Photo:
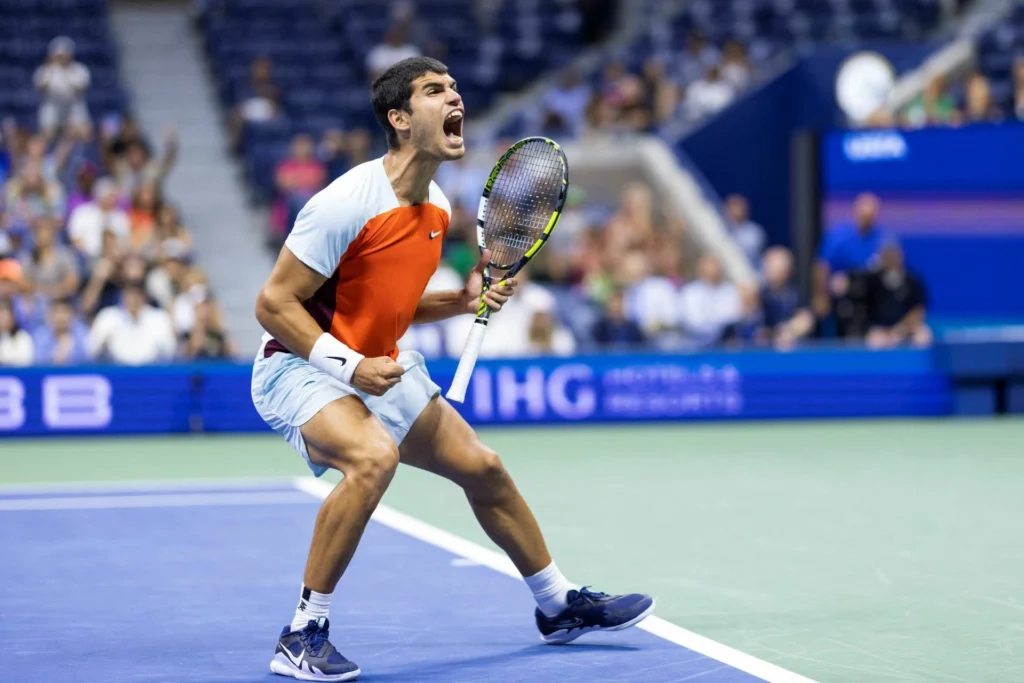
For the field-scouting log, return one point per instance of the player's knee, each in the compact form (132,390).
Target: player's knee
(374,464)
(488,477)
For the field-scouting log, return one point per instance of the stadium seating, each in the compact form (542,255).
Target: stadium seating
(319,54)
(26,28)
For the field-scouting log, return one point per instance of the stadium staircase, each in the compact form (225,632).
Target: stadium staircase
(163,68)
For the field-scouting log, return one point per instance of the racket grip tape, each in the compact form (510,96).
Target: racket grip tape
(457,391)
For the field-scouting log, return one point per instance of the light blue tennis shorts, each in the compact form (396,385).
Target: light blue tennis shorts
(287,392)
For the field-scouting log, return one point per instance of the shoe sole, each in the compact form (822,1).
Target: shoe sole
(565,637)
(282,666)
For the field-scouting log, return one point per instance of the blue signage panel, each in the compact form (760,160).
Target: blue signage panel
(613,388)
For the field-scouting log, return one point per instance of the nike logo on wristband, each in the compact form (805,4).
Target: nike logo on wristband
(338,358)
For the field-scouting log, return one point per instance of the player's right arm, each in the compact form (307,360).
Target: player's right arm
(301,269)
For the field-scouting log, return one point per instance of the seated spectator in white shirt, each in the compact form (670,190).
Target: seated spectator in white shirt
(88,222)
(650,300)
(748,235)
(133,333)
(16,348)
(394,49)
(709,305)
(709,95)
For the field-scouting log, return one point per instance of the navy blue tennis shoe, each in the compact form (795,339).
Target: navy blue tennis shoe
(308,656)
(592,611)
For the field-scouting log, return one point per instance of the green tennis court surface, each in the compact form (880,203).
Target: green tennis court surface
(851,552)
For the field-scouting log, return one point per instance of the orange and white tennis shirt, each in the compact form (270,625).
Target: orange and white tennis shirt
(377,257)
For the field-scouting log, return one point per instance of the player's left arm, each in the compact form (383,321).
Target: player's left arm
(435,306)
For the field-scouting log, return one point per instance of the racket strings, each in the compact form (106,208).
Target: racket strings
(524,196)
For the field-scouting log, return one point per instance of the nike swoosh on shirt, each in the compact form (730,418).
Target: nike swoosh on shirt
(338,358)
(434,234)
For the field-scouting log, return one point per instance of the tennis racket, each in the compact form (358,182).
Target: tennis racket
(521,203)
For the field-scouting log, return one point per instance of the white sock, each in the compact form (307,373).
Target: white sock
(312,605)
(550,589)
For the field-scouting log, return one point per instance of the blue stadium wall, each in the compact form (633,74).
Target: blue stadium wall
(609,388)
(746,148)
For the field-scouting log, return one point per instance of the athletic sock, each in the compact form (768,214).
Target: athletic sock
(312,605)
(550,590)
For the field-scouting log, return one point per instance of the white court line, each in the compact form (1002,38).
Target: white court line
(155,500)
(428,533)
(144,485)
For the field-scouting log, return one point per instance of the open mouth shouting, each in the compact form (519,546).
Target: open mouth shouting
(453,127)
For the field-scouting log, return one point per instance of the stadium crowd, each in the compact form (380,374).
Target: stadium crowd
(95,263)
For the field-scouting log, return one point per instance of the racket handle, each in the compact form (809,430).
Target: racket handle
(457,391)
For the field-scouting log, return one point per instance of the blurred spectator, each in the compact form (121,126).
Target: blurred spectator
(613,329)
(120,135)
(785,317)
(105,278)
(935,106)
(395,48)
(846,248)
(63,341)
(978,98)
(62,82)
(15,343)
(651,298)
(50,265)
(735,65)
(699,56)
(259,102)
(193,291)
(88,224)
(708,95)
(547,337)
(170,231)
(30,196)
(168,279)
(897,301)
(632,226)
(142,217)
(660,92)
(297,178)
(564,107)
(748,235)
(208,338)
(622,104)
(137,166)
(85,176)
(133,333)
(709,305)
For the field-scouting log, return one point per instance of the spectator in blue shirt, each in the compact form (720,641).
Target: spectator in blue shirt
(63,340)
(614,329)
(845,250)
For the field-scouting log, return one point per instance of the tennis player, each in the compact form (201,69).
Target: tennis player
(331,380)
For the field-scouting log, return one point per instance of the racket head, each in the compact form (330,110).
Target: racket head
(522,201)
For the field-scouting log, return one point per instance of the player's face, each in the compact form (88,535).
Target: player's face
(437,115)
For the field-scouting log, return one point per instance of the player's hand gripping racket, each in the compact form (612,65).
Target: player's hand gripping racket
(522,200)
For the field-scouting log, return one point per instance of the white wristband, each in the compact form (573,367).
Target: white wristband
(337,360)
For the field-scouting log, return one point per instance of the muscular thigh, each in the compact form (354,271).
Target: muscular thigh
(343,433)
(442,442)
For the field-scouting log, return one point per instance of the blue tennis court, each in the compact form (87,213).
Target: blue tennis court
(192,582)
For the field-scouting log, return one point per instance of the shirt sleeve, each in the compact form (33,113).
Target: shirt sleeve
(323,231)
